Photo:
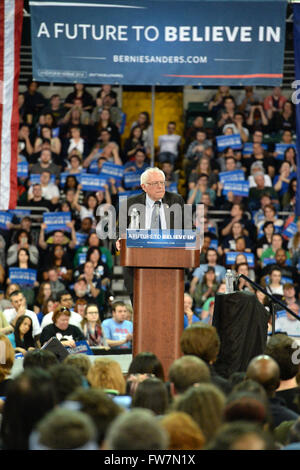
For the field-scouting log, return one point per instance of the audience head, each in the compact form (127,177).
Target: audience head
(66,379)
(205,404)
(264,370)
(64,429)
(30,396)
(146,363)
(187,371)
(137,429)
(39,358)
(151,394)
(99,406)
(281,348)
(201,340)
(106,374)
(183,431)
(241,436)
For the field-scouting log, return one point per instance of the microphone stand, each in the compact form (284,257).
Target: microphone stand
(272,311)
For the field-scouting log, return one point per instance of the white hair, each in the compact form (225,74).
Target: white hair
(144,176)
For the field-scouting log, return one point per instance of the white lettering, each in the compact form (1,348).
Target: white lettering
(58,28)
(149,30)
(43,30)
(138,32)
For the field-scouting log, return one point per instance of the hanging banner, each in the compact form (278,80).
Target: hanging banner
(158,42)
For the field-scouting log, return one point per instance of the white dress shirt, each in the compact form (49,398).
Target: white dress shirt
(149,209)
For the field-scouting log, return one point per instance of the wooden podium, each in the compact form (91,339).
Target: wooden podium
(158,298)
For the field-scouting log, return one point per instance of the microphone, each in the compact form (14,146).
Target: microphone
(135,219)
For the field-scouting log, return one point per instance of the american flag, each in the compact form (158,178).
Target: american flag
(11,19)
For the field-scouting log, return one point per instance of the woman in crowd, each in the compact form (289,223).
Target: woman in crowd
(46,133)
(133,143)
(203,166)
(143,121)
(105,122)
(22,339)
(206,288)
(60,261)
(61,329)
(265,240)
(44,293)
(282,180)
(93,241)
(91,327)
(229,242)
(23,240)
(289,198)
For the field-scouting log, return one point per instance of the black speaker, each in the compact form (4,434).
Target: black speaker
(242,324)
(55,346)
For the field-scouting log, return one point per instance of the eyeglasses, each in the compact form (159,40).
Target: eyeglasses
(156,183)
(64,309)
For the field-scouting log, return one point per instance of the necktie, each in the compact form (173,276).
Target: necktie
(155,217)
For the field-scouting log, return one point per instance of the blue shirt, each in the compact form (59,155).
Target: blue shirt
(118,331)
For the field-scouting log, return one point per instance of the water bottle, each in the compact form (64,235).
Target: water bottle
(229,281)
(134,222)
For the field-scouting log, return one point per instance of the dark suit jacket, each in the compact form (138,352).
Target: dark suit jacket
(174,215)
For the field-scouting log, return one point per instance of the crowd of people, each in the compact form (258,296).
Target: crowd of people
(83,404)
(56,272)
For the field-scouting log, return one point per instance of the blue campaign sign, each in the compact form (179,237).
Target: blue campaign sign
(125,194)
(93,168)
(132,179)
(22,170)
(236,175)
(21,276)
(165,42)
(173,188)
(81,239)
(233,141)
(81,347)
(81,258)
(56,220)
(111,170)
(63,176)
(5,218)
(231,255)
(290,230)
(267,261)
(20,213)
(238,188)
(93,182)
(248,148)
(281,148)
(35,178)
(161,238)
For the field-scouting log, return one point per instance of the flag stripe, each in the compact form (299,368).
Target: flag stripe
(15,117)
(10,115)
(1,90)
